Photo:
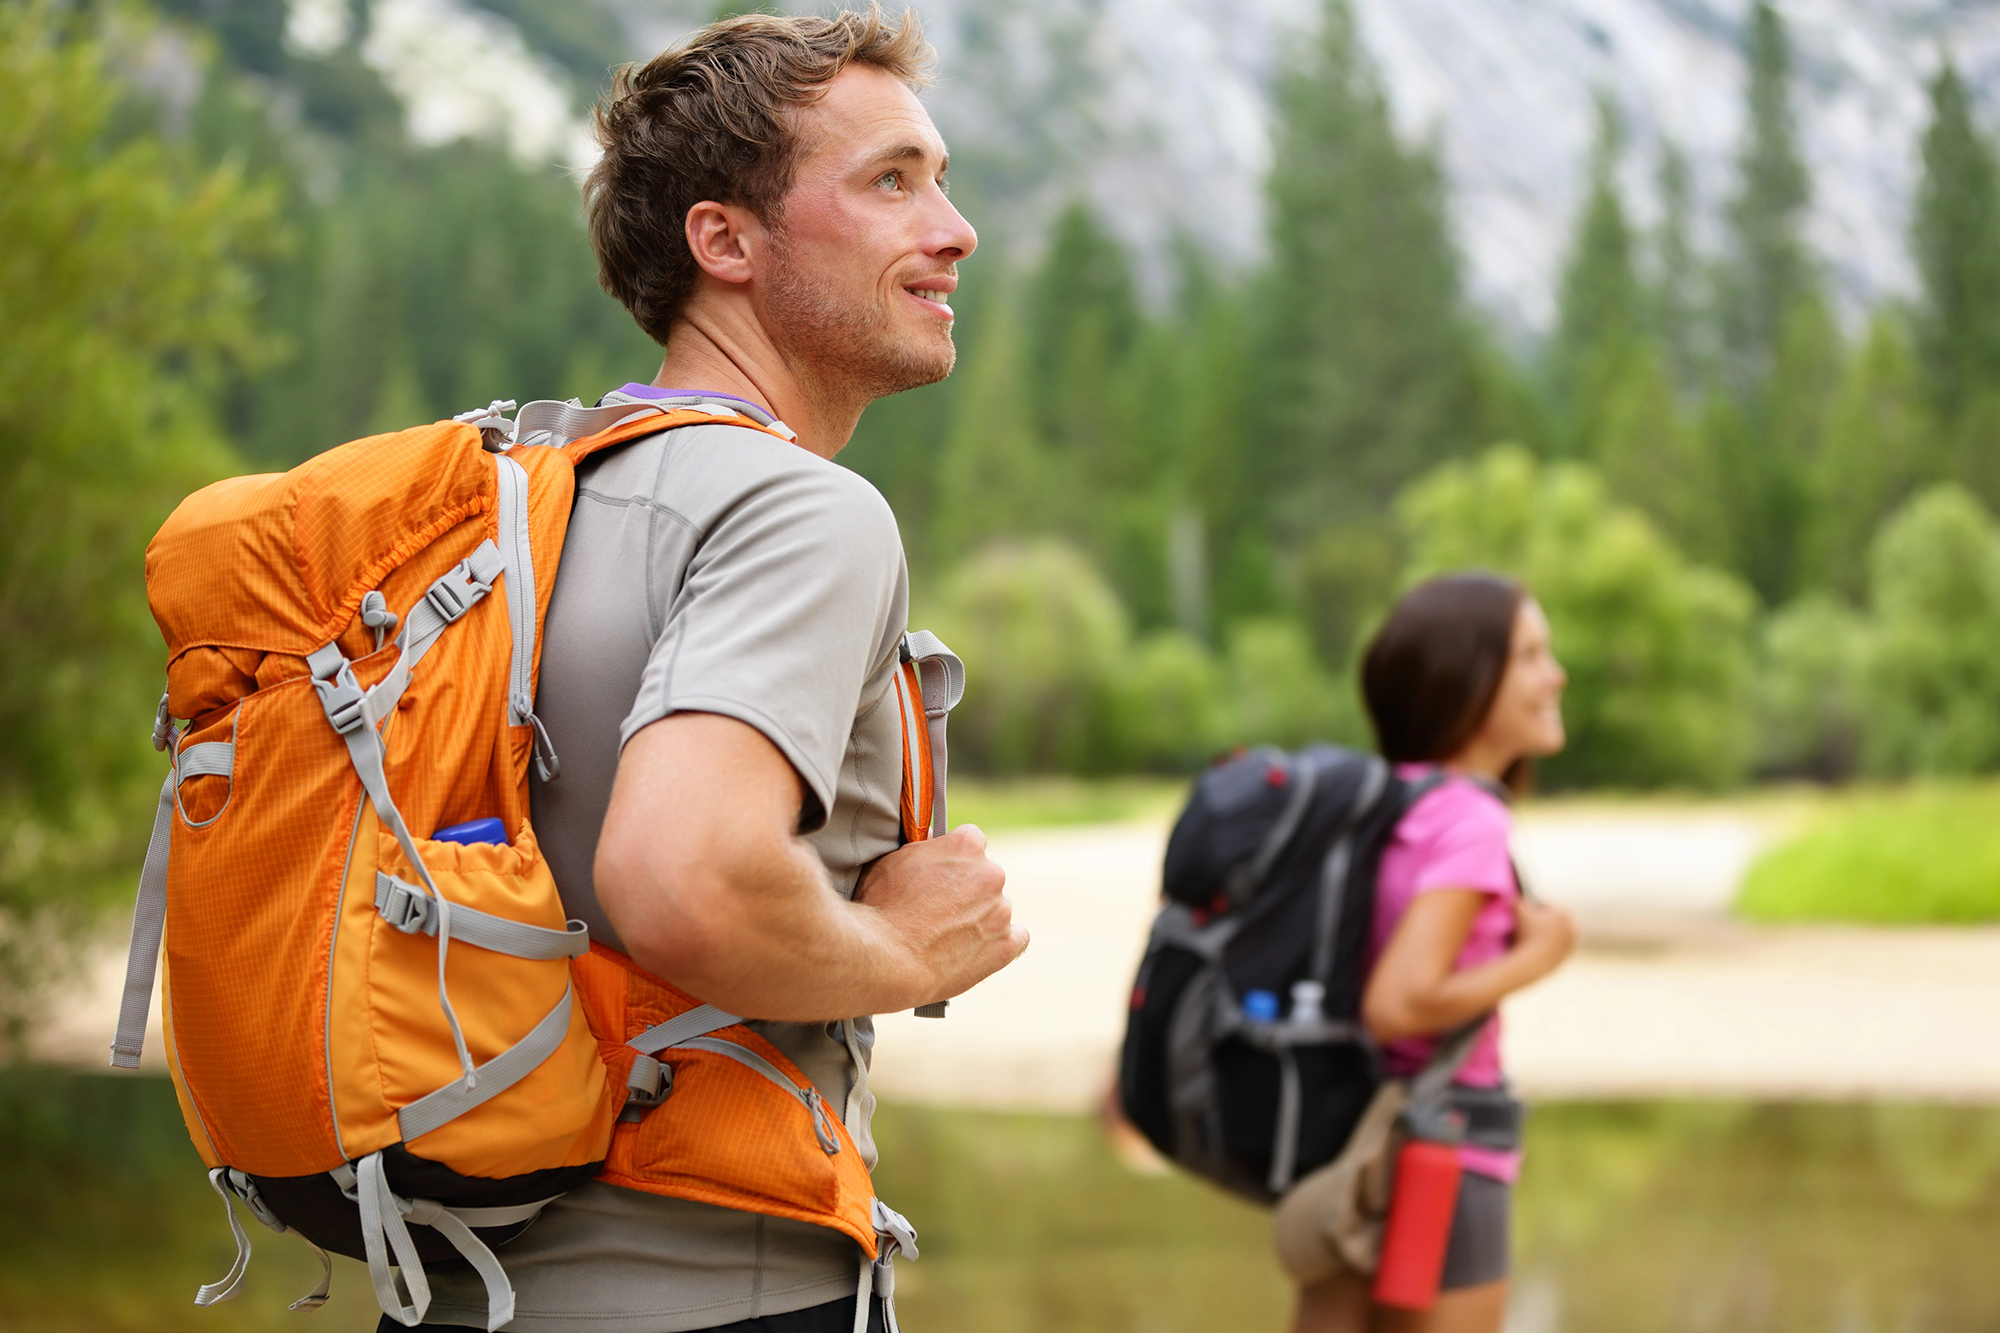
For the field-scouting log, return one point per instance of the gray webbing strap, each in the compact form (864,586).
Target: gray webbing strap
(209,759)
(942,676)
(1284,1153)
(382,1231)
(149,926)
(212,1293)
(315,1298)
(497,1075)
(1429,1086)
(648,1082)
(453,593)
(860,1102)
(893,1235)
(696,1022)
(554,423)
(499,1291)
(1248,876)
(409,909)
(365,749)
(1334,871)
(385,1222)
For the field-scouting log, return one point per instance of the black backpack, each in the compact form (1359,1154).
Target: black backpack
(1270,881)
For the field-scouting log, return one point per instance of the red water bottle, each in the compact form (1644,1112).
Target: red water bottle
(1419,1225)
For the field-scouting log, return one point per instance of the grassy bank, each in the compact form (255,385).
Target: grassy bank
(1928,853)
(999,804)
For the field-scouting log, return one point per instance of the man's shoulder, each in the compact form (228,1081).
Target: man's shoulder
(704,472)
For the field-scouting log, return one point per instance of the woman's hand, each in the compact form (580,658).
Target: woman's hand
(1544,935)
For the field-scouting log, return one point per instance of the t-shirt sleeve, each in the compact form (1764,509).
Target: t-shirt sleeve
(1463,841)
(783,617)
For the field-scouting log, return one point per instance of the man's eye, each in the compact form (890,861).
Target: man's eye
(893,179)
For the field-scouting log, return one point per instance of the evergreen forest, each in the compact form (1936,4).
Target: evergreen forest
(1156,526)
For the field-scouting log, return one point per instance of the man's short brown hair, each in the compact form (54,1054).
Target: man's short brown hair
(711,119)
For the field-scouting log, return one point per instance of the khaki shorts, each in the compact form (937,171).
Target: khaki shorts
(1331,1222)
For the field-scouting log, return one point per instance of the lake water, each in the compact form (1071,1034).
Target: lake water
(1688,1217)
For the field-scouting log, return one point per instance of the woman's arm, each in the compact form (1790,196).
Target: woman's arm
(1414,990)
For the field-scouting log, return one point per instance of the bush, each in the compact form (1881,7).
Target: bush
(1930,854)
(1044,638)
(1279,694)
(1657,649)
(1933,670)
(1171,712)
(1808,692)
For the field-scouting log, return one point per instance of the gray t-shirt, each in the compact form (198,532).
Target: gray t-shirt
(720,570)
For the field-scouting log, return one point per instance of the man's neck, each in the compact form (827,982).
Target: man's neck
(712,352)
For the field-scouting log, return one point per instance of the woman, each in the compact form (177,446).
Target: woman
(1460,681)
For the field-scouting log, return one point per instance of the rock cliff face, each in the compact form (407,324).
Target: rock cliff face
(1159,110)
(1164,105)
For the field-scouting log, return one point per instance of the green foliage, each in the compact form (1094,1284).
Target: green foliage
(1048,636)
(1280,692)
(1364,370)
(1599,312)
(1655,459)
(1880,445)
(1955,239)
(1676,291)
(1929,854)
(1933,682)
(1057,800)
(1768,270)
(1808,698)
(126,294)
(423,281)
(1172,712)
(1657,649)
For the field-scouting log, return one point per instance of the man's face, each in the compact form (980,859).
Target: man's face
(866,253)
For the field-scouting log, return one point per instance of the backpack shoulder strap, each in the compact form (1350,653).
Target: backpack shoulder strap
(634,423)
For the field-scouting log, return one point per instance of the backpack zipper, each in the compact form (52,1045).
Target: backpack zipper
(518,560)
(809,1096)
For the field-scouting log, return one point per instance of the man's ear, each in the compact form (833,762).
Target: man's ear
(724,239)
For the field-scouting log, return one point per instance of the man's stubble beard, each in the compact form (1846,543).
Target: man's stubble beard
(846,349)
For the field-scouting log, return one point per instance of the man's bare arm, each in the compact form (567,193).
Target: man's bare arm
(701,870)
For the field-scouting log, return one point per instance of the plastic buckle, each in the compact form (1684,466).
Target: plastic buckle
(449,602)
(406,909)
(163,727)
(650,1083)
(346,703)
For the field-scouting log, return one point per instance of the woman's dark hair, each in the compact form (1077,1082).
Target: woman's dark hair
(1431,672)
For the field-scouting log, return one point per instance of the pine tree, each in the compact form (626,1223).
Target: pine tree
(994,477)
(1676,297)
(1880,448)
(1768,270)
(1955,237)
(1364,371)
(1600,312)
(1081,322)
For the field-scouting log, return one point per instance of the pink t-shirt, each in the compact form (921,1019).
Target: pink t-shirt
(1455,837)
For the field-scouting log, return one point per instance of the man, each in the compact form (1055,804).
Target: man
(722,643)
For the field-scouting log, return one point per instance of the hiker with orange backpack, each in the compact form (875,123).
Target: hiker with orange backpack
(590,1050)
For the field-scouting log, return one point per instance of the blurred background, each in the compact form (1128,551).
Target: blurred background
(1686,311)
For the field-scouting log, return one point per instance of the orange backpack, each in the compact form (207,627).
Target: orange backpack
(392,1042)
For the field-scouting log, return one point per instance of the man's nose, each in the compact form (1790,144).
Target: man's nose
(954,237)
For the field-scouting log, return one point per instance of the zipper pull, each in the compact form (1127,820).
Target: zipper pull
(547,763)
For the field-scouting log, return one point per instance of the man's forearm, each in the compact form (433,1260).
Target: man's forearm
(773,941)
(700,869)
